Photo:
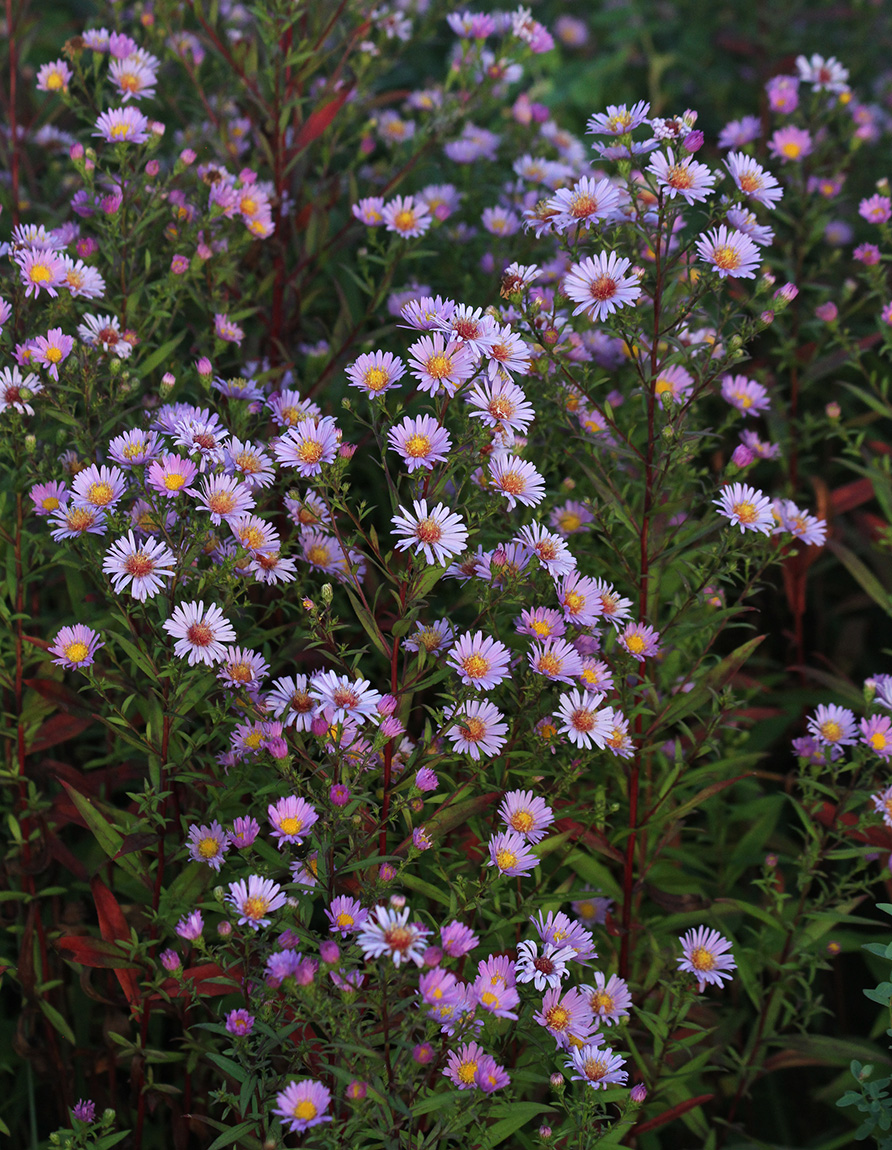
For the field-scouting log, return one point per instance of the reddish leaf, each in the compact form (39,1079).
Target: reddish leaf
(851,495)
(589,836)
(57,729)
(64,698)
(44,644)
(672,1113)
(319,120)
(93,952)
(113,927)
(208,980)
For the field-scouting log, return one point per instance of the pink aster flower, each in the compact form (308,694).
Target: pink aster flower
(75,647)
(833,726)
(289,407)
(599,286)
(588,201)
(462,1065)
(476,729)
(675,382)
(407,216)
(225,329)
(597,1065)
(580,598)
(458,939)
(581,721)
(481,662)
(291,819)
(171,475)
(609,998)
(783,94)
(550,549)
(705,956)
(243,668)
(51,349)
(421,442)
(685,177)
(746,508)
(245,830)
(201,634)
(507,355)
(565,1016)
(249,461)
(72,521)
(752,179)
(730,252)
(527,814)
(54,77)
(439,365)
(391,934)
(376,372)
(497,1000)
(790,143)
(619,742)
(134,77)
(82,280)
(302,1105)
(255,899)
(223,496)
(556,659)
(745,394)
(142,566)
(48,497)
(807,528)
(509,853)
(867,254)
(239,1023)
(208,844)
(542,623)
(619,119)
(347,699)
(309,445)
(369,211)
(642,642)
(191,926)
(40,269)
(517,479)
(346,915)
(876,733)
(123,126)
(438,534)
(98,486)
(134,448)
(501,403)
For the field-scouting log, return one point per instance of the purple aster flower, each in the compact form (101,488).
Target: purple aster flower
(599,286)
(752,179)
(255,899)
(134,448)
(581,721)
(790,143)
(500,403)
(250,461)
(783,94)
(200,634)
(51,349)
(746,507)
(291,701)
(426,780)
(122,126)
(421,442)
(517,479)
(641,641)
(566,1016)
(438,534)
(509,854)
(40,269)
(434,638)
(369,211)
(142,566)
(75,647)
(588,201)
(550,549)
(191,926)
(407,216)
(685,177)
(807,528)
(348,699)
(556,929)
(876,733)
(48,497)
(245,830)
(527,814)
(289,408)
(609,998)
(476,729)
(481,662)
(291,818)
(738,133)
(730,252)
(99,487)
(171,475)
(239,1023)
(243,668)
(499,1000)
(439,365)
(705,956)
(597,1065)
(556,659)
(54,77)
(833,726)
(224,497)
(618,120)
(71,521)
(208,844)
(421,839)
(462,1064)
(346,915)
(302,1105)
(225,329)
(748,396)
(376,372)
(255,535)
(84,1110)
(542,623)
(458,939)
(490,1076)
(391,934)
(308,446)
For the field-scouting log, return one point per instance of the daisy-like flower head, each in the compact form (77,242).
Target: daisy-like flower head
(204,437)
(245,830)
(619,742)
(438,534)
(97,486)
(224,497)
(346,698)
(289,407)
(517,479)
(752,179)
(595,676)
(557,930)
(421,442)
(142,566)
(302,1105)
(790,144)
(105,333)
(48,497)
(40,269)
(597,1065)
(462,1065)
(580,599)
(291,701)
(510,855)
(322,552)
(783,93)
(75,647)
(391,934)
(434,637)
(376,372)
(876,733)
(134,448)
(567,1017)
(705,955)
(191,926)
(496,1000)
(542,623)
(82,280)
(501,403)
(201,634)
(133,77)
(581,721)
(255,899)
(243,668)
(593,909)
(556,659)
(882,803)
(369,211)
(748,396)
(876,209)
(308,445)
(609,998)
(72,520)
(642,642)
(254,534)
(599,286)
(527,814)
(684,177)
(51,349)
(619,119)
(458,939)
(407,216)
(508,355)
(346,915)
(439,365)
(730,252)
(833,726)
(429,313)
(746,507)
(16,390)
(54,77)
(250,461)
(171,475)
(737,133)
(550,549)
(208,844)
(823,75)
(588,201)
(291,819)
(808,528)
(122,126)
(570,518)
(476,729)
(481,662)
(225,329)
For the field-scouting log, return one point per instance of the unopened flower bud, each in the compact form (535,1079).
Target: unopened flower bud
(433,956)
(387,872)
(347,450)
(693,141)
(319,726)
(771,861)
(187,156)
(224,929)
(30,444)
(827,311)
(833,411)
(387,705)
(204,366)
(327,594)
(153,168)
(397,901)
(557,1080)
(545,1132)
(219,893)
(639,1093)
(742,456)
(329,951)
(170,960)
(416,806)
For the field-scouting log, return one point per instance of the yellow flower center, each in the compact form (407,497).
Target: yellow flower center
(791,150)
(594,1069)
(466,1072)
(745,512)
(376,379)
(404,220)
(601,1002)
(208,848)
(173,481)
(290,826)
(439,366)
(428,531)
(417,446)
(344,919)
(557,1018)
(726,258)
(702,959)
(475,666)
(505,859)
(39,274)
(305,1110)
(100,494)
(474,731)
(256,908)
(831,730)
(635,644)
(309,451)
(76,652)
(522,821)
